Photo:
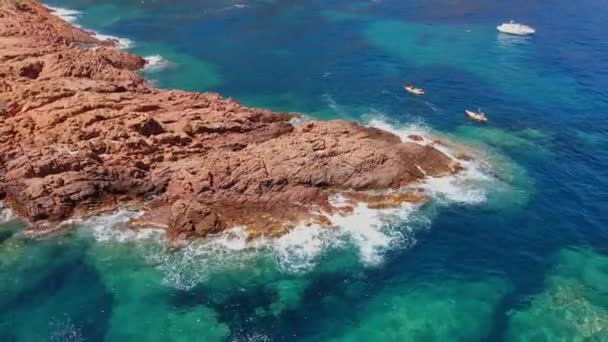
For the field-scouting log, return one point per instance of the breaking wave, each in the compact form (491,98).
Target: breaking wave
(155,63)
(5,214)
(118,230)
(66,14)
(467,187)
(72,16)
(368,233)
(123,43)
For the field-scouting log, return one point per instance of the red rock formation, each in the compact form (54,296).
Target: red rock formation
(80,131)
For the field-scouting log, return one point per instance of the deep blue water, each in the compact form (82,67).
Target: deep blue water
(520,255)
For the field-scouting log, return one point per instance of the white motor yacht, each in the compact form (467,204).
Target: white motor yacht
(516,29)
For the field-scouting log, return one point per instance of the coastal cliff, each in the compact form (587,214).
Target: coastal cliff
(81,132)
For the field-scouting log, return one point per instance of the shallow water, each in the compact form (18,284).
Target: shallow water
(514,250)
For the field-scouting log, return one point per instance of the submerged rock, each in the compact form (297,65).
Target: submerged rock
(571,306)
(81,131)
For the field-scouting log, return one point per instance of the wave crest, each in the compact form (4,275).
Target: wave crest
(72,16)
(155,63)
(69,15)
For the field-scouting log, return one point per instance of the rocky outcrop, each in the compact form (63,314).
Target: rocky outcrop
(80,132)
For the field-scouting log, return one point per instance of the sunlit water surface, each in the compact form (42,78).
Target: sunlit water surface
(515,249)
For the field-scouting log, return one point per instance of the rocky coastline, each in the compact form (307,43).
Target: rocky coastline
(81,132)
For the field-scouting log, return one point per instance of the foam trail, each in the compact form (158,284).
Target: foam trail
(235,6)
(331,103)
(432,106)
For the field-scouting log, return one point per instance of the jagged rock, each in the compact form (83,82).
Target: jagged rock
(192,218)
(80,130)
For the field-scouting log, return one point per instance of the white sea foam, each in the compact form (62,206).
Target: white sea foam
(123,43)
(229,8)
(368,232)
(112,227)
(373,232)
(414,128)
(69,15)
(5,213)
(155,63)
(298,250)
(72,16)
(467,187)
(197,261)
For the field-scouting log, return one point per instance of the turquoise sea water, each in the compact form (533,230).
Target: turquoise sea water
(514,250)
